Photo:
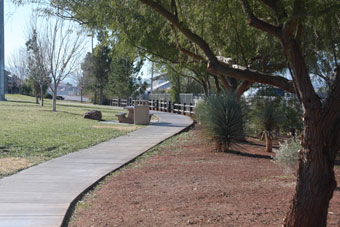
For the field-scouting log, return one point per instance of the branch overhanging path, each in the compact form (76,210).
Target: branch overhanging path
(216,66)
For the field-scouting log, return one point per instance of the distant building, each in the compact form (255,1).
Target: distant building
(160,83)
(12,83)
(66,89)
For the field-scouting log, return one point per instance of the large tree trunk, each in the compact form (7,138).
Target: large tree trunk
(315,182)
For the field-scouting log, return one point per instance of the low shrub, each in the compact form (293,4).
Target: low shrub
(287,155)
(221,118)
(266,118)
(48,96)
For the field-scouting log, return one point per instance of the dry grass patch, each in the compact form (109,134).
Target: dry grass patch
(10,165)
(118,127)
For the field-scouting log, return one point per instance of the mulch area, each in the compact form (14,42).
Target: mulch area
(189,183)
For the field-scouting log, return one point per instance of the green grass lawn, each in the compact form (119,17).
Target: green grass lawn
(37,134)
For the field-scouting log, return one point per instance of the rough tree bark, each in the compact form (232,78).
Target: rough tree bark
(269,142)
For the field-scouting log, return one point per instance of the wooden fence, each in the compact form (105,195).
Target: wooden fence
(159,105)
(121,102)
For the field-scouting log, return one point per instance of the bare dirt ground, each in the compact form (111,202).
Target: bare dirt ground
(188,183)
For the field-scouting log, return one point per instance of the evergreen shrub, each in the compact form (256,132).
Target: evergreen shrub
(221,118)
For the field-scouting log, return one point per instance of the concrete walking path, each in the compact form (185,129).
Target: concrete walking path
(41,195)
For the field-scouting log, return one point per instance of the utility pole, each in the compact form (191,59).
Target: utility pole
(2,52)
(152,77)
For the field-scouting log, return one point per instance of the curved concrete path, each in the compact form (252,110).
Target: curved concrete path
(41,195)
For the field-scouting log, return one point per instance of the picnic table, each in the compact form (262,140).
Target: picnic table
(131,113)
(137,114)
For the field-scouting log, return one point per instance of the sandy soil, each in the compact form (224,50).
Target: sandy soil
(188,183)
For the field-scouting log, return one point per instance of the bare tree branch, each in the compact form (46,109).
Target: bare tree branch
(190,35)
(257,23)
(243,87)
(253,76)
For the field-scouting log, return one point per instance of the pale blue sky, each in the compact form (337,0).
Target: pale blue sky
(16,21)
(16,26)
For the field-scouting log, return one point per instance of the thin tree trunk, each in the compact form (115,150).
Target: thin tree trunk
(54,104)
(209,86)
(95,97)
(218,146)
(269,142)
(81,95)
(217,85)
(36,98)
(41,96)
(205,87)
(101,96)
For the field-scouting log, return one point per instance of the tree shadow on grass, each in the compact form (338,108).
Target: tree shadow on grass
(22,101)
(256,144)
(244,154)
(66,112)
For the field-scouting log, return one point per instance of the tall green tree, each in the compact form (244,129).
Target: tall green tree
(148,28)
(88,69)
(296,26)
(102,60)
(123,79)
